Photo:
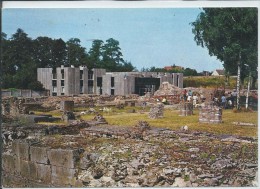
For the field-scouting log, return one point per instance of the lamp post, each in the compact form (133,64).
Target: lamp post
(248,85)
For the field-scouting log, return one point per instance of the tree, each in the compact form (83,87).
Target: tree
(42,50)
(17,58)
(126,67)
(59,53)
(95,54)
(190,72)
(112,55)
(77,55)
(230,34)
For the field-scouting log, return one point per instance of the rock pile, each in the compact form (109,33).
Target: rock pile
(156,111)
(100,119)
(167,89)
(68,115)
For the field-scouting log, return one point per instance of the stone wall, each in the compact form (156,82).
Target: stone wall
(31,165)
(210,114)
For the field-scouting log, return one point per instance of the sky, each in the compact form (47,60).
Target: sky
(147,36)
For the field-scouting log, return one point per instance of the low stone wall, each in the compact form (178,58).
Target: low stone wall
(186,109)
(210,114)
(19,105)
(31,165)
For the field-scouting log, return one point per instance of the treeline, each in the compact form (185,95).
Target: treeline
(22,55)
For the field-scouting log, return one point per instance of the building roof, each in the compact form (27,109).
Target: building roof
(220,72)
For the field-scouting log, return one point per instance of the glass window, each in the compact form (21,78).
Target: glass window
(112,91)
(112,81)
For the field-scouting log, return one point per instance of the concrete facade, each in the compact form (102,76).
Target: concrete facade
(74,81)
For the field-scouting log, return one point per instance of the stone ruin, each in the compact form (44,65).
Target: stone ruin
(100,119)
(186,109)
(68,115)
(167,89)
(67,105)
(210,114)
(156,111)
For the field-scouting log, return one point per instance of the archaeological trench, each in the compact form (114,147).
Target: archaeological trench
(94,154)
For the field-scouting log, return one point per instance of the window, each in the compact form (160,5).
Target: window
(54,83)
(63,89)
(81,89)
(81,83)
(54,89)
(81,74)
(112,91)
(90,76)
(112,81)
(90,90)
(62,73)
(62,82)
(99,81)
(54,94)
(54,76)
(90,83)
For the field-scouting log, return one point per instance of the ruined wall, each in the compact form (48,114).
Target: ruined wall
(30,165)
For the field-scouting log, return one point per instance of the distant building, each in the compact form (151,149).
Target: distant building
(218,73)
(74,81)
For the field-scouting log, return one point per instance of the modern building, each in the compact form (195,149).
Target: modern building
(74,81)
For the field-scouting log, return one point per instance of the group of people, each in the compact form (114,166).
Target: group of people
(226,101)
(188,96)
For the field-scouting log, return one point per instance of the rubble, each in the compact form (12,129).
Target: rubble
(100,119)
(99,156)
(156,111)
(67,115)
(167,89)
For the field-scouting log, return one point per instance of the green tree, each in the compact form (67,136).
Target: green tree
(95,54)
(230,34)
(42,50)
(190,72)
(17,61)
(59,53)
(112,55)
(126,67)
(77,55)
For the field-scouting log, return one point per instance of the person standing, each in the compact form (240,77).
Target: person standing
(185,95)
(223,101)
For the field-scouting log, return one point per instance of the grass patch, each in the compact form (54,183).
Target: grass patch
(172,120)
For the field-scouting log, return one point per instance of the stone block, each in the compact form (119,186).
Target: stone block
(67,105)
(34,184)
(14,181)
(43,173)
(39,154)
(68,158)
(61,176)
(21,149)
(9,163)
(28,170)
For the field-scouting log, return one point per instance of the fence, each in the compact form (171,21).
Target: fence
(24,93)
